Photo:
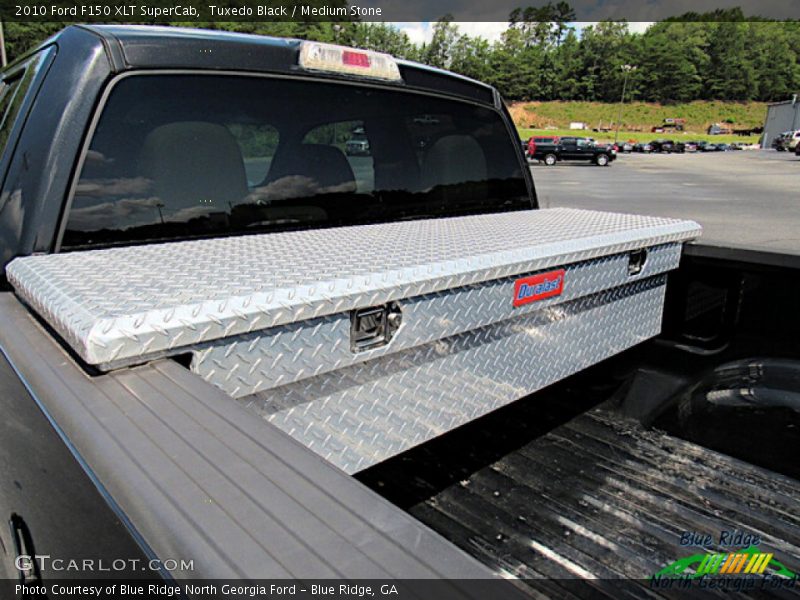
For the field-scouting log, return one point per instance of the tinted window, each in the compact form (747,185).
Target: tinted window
(349,137)
(257,143)
(184,156)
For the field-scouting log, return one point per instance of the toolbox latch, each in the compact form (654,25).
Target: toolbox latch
(374,327)
(636,260)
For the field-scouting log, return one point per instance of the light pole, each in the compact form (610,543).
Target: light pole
(3,61)
(625,69)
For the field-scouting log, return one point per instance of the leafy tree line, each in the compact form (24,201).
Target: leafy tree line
(718,56)
(540,56)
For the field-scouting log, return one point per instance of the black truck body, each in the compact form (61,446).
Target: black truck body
(574,149)
(150,463)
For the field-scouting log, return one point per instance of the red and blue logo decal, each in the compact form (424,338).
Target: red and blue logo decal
(538,287)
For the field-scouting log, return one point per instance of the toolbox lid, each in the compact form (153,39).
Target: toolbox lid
(122,306)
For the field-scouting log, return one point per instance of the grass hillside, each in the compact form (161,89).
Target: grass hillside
(637,116)
(628,136)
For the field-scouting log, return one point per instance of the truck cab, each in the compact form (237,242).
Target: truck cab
(244,153)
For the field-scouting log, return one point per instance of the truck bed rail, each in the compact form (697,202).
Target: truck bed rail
(197,477)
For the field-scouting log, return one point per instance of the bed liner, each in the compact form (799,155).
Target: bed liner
(606,500)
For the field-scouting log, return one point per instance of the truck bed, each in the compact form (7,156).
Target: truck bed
(595,497)
(601,497)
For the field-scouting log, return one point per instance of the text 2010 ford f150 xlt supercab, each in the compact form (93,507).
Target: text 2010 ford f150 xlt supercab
(221,330)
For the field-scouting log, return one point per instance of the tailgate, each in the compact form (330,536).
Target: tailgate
(364,341)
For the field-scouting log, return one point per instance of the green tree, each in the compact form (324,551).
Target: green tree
(376,36)
(438,52)
(730,73)
(604,49)
(775,64)
(719,55)
(665,73)
(23,36)
(515,66)
(542,26)
(471,56)
(567,69)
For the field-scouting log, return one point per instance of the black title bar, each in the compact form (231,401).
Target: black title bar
(188,11)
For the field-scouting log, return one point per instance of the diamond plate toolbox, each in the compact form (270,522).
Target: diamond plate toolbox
(279,320)
(357,416)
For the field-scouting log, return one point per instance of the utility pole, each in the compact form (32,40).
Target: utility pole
(3,60)
(625,69)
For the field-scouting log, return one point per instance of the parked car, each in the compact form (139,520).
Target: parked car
(666,146)
(790,142)
(358,144)
(709,147)
(779,143)
(643,147)
(357,147)
(686,147)
(574,148)
(625,147)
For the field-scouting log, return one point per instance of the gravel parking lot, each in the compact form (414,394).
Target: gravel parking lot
(747,199)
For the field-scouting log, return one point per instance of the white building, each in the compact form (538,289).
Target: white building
(781,116)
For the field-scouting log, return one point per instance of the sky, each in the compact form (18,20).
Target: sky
(419,32)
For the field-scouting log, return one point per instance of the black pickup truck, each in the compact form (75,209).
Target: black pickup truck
(574,148)
(231,351)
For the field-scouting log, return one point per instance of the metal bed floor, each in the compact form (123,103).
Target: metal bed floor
(605,501)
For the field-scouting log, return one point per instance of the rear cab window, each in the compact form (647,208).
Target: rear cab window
(257,143)
(182,156)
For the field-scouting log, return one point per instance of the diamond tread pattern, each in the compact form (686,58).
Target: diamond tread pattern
(250,363)
(360,415)
(123,306)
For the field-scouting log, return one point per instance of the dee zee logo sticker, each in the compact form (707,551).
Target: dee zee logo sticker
(538,287)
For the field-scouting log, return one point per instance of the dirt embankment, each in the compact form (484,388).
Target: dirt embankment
(637,116)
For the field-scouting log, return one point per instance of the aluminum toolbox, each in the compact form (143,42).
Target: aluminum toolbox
(364,341)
